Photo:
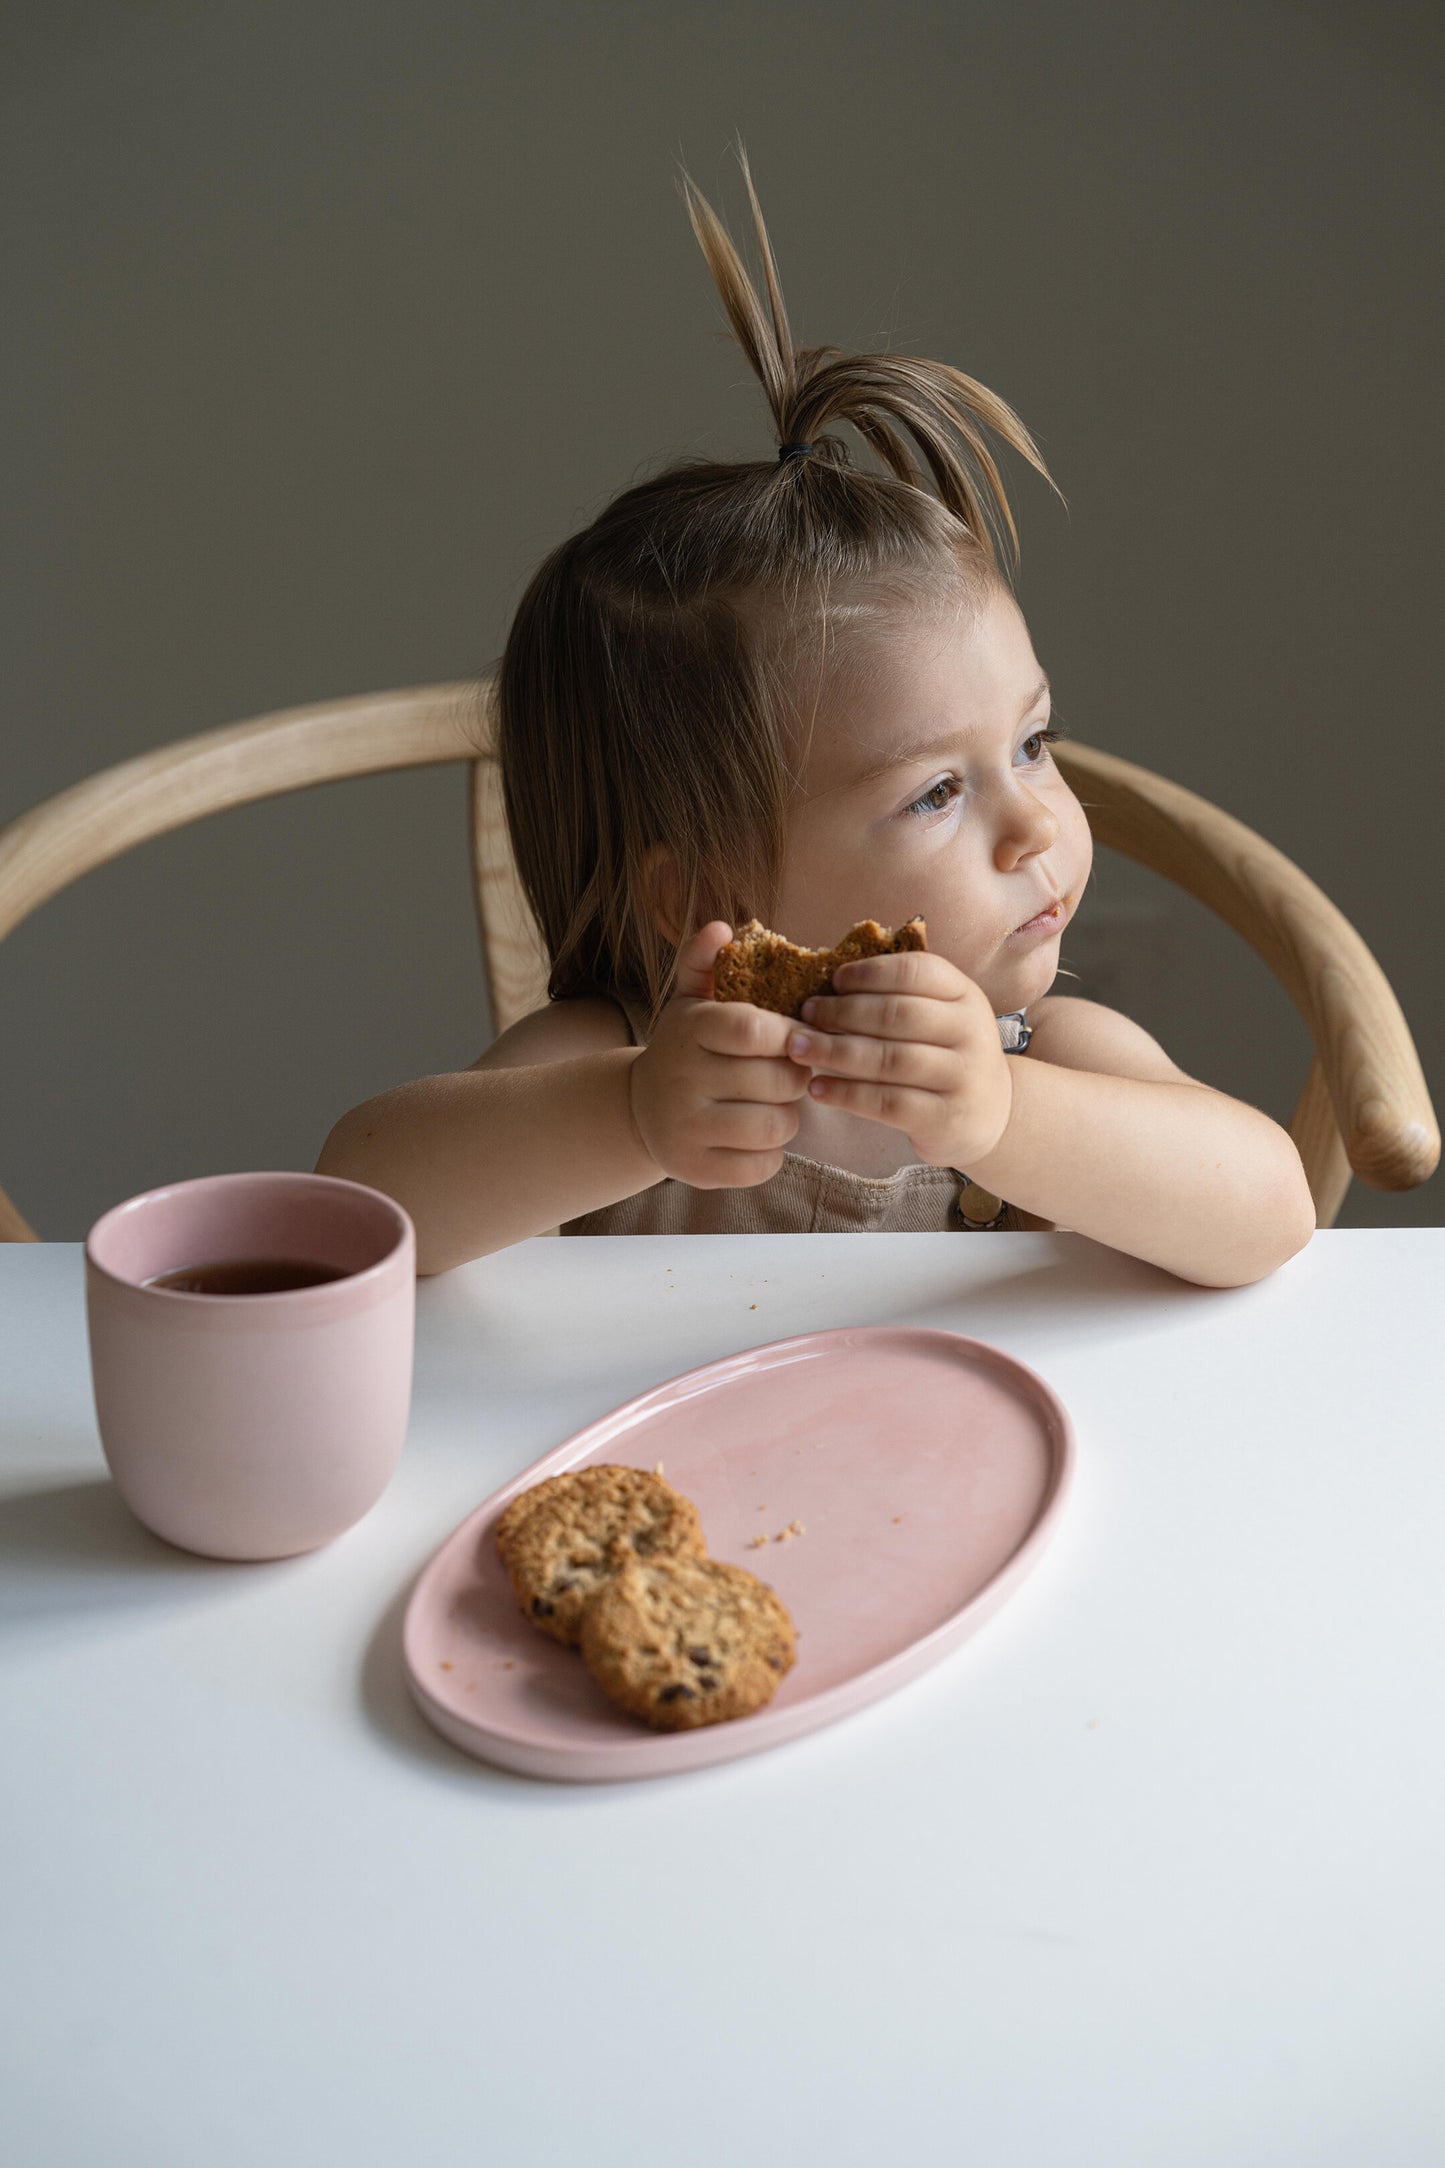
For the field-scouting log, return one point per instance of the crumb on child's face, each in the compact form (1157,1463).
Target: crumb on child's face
(927,791)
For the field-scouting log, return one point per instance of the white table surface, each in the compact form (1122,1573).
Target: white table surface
(1149,1871)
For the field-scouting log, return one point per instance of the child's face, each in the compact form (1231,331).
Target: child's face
(926,791)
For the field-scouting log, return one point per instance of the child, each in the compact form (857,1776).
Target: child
(800,691)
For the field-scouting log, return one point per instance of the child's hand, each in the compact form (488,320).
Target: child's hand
(909,1041)
(714,1096)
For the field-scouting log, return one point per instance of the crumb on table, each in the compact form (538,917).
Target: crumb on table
(445,1665)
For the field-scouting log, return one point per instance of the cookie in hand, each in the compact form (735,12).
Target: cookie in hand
(772,973)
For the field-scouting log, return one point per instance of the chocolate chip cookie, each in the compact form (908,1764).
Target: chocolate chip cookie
(560,1540)
(686,1641)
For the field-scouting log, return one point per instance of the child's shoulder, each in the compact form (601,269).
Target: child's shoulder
(1076,1034)
(561,1031)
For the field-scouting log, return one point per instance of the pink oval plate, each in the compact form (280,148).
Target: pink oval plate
(921,1474)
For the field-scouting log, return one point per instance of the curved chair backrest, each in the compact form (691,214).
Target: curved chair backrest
(1364,1106)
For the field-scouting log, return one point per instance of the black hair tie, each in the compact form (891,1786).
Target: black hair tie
(793,451)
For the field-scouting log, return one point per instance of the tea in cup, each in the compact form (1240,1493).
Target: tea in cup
(251,1345)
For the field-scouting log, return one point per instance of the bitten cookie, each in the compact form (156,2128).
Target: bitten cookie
(687,1641)
(557,1539)
(772,973)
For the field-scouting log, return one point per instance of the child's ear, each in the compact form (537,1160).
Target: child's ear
(662,886)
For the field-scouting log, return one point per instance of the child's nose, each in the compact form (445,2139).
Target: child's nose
(1029,826)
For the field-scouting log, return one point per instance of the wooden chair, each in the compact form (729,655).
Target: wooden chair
(1364,1108)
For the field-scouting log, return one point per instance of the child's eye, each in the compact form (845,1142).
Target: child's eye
(939,796)
(936,799)
(1041,738)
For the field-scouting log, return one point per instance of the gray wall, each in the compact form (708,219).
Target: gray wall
(325,321)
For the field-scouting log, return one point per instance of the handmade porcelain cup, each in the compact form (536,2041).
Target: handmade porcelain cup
(252,1425)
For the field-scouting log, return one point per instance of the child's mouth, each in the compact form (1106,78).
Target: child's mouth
(1046,922)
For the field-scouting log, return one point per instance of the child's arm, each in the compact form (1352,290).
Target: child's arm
(490,1154)
(1095,1129)
(1169,1170)
(560,1117)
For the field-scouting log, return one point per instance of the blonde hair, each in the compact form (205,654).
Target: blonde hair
(648,698)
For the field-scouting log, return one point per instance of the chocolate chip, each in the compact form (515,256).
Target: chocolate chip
(541,1608)
(775,1663)
(676,1693)
(563,1582)
(707,1685)
(699,1656)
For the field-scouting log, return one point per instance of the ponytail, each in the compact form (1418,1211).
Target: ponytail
(809,387)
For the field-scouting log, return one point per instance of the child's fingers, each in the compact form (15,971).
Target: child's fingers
(736,1170)
(737,1028)
(696,958)
(884,1016)
(740,1125)
(911,971)
(895,1104)
(770,1082)
(883,1061)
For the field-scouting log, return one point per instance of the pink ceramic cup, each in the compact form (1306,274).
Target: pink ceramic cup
(252,1426)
